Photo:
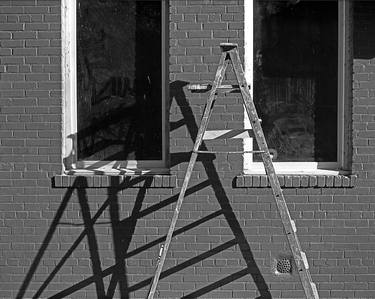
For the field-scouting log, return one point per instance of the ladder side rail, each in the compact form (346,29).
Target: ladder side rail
(203,126)
(274,182)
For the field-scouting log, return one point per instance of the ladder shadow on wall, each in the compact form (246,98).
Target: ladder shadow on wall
(123,230)
(120,229)
(178,94)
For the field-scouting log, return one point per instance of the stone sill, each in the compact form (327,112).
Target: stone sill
(114,181)
(297,181)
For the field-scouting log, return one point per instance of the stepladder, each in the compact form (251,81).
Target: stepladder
(230,54)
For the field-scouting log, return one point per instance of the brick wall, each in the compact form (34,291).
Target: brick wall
(81,242)
(30,131)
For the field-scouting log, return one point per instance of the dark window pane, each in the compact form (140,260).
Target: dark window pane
(119,80)
(295,77)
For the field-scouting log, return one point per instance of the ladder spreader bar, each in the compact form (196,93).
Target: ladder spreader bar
(228,152)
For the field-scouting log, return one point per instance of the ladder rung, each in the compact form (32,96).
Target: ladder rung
(228,134)
(207,87)
(228,152)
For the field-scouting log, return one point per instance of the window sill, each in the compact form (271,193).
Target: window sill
(87,180)
(296,181)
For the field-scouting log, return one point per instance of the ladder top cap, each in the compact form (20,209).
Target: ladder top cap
(228,46)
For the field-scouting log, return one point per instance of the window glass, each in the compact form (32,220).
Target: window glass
(296,76)
(119,80)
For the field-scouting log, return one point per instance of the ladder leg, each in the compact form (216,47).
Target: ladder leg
(203,126)
(230,52)
(299,256)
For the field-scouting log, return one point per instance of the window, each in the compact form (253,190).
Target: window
(115,85)
(296,60)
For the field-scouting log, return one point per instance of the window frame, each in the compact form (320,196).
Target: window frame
(344,94)
(69,77)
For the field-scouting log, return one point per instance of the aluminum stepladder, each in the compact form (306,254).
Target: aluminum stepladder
(230,53)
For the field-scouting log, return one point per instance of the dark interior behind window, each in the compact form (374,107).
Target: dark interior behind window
(296,77)
(119,87)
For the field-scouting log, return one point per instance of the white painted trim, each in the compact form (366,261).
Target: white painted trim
(297,168)
(68,8)
(342,56)
(251,167)
(249,34)
(69,70)
(165,81)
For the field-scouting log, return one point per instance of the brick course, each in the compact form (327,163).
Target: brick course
(63,241)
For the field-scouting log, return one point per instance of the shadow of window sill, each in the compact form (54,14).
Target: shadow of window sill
(296,181)
(114,181)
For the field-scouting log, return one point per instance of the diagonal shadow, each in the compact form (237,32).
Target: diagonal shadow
(122,235)
(91,238)
(187,263)
(123,230)
(45,243)
(69,252)
(177,92)
(218,284)
(88,222)
(110,270)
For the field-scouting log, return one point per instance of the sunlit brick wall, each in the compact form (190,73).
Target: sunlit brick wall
(99,236)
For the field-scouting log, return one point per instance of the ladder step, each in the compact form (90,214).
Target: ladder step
(228,46)
(304,259)
(228,134)
(208,86)
(228,152)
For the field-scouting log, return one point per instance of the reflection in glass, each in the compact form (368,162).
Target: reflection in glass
(119,80)
(295,77)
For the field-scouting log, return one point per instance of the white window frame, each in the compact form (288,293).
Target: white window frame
(343,152)
(69,68)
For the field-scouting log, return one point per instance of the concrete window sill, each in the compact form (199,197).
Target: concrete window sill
(297,181)
(114,181)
